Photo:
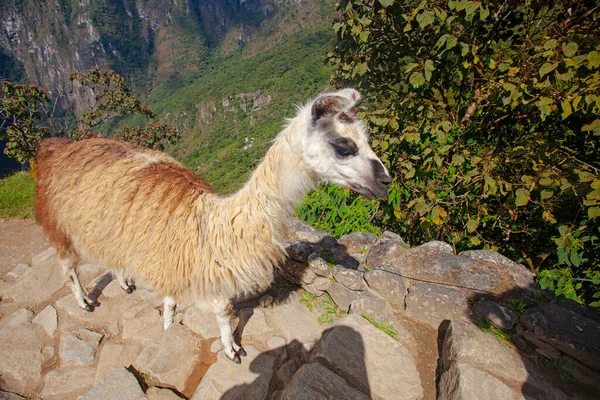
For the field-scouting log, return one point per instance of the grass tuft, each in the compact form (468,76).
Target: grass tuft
(17,193)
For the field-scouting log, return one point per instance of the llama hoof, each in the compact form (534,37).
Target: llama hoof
(88,308)
(236,359)
(129,289)
(90,302)
(241,352)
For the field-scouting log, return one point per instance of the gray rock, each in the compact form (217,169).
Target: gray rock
(442,247)
(541,347)
(300,231)
(119,384)
(227,380)
(389,286)
(376,308)
(68,383)
(314,381)
(432,304)
(354,349)
(295,322)
(319,266)
(356,242)
(521,275)
(79,347)
(567,331)
(463,382)
(499,316)
(156,393)
(18,271)
(115,355)
(341,295)
(287,370)
(299,251)
(583,374)
(203,323)
(379,252)
(350,278)
(300,271)
(163,358)
(319,286)
(465,343)
(47,319)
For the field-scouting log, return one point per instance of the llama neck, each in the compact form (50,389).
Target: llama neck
(280,181)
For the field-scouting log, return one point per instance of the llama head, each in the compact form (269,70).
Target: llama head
(336,146)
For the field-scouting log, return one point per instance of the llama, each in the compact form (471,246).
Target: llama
(144,215)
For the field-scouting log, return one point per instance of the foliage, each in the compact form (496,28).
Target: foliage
(111,98)
(383,326)
(558,365)
(337,212)
(518,307)
(487,113)
(502,335)
(331,311)
(22,108)
(27,116)
(16,196)
(157,136)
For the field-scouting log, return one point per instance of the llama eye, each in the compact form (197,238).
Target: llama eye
(344,147)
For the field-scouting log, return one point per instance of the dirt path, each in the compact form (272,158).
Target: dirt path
(19,241)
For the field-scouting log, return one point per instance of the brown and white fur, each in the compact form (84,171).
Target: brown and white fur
(143,214)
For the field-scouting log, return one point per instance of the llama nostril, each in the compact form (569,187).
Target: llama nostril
(386,180)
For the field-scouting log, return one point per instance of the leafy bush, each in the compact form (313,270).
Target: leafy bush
(488,115)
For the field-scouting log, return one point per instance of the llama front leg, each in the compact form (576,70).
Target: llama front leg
(233,351)
(168,311)
(68,266)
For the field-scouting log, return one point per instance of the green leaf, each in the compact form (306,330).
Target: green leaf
(593,59)
(386,3)
(410,173)
(546,194)
(425,18)
(522,197)
(550,44)
(417,79)
(591,127)
(547,68)
(566,106)
(411,66)
(472,225)
(442,40)
(451,42)
(484,13)
(570,49)
(464,49)
(593,212)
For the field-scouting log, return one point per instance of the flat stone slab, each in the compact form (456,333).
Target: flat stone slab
(567,331)
(38,283)
(68,382)
(18,271)
(119,384)
(227,380)
(21,358)
(434,264)
(389,286)
(465,343)
(463,382)
(314,381)
(499,316)
(253,324)
(79,347)
(368,359)
(16,319)
(156,393)
(115,355)
(172,358)
(47,319)
(432,303)
(203,323)
(142,324)
(295,322)
(377,309)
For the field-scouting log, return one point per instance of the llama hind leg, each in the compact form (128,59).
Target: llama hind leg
(233,351)
(125,283)
(168,311)
(68,265)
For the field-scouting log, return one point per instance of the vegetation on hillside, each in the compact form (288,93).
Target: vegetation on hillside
(487,113)
(17,195)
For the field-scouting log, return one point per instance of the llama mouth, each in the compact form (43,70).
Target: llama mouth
(371,194)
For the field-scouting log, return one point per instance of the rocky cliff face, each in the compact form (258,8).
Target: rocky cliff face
(143,38)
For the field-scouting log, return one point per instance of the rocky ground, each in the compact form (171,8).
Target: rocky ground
(362,317)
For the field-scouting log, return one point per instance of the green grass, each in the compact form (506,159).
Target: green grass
(16,196)
(502,335)
(383,326)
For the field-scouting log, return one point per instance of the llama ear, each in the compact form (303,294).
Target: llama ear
(333,103)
